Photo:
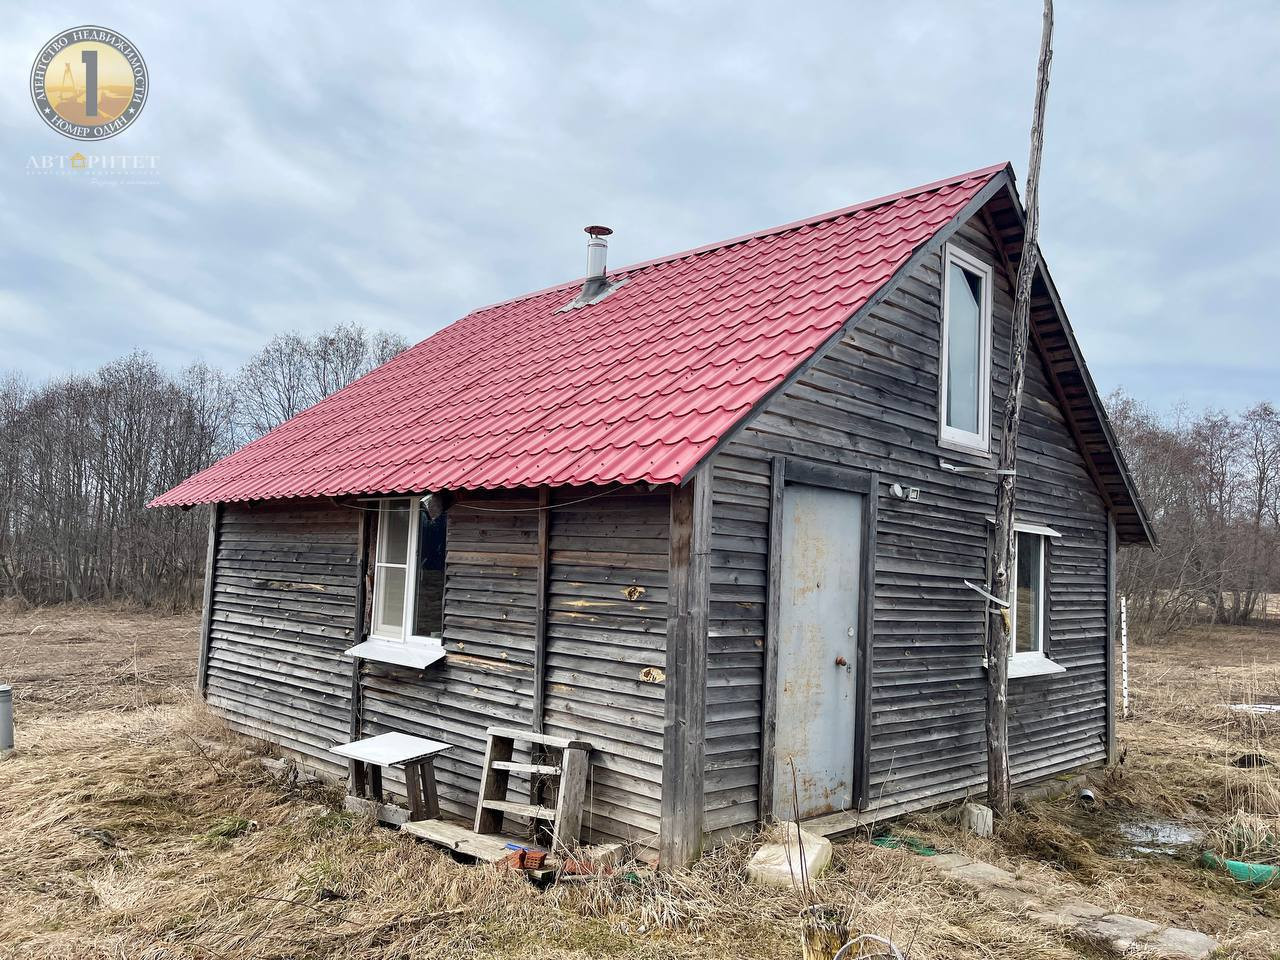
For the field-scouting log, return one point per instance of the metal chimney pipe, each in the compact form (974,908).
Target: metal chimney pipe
(597,248)
(6,717)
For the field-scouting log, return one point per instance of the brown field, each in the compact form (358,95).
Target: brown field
(132,825)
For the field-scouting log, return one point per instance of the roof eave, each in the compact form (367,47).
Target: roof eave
(1091,388)
(1001,177)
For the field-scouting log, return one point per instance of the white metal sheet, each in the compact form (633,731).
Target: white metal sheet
(390,749)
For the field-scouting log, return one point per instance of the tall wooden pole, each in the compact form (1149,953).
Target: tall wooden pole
(998,652)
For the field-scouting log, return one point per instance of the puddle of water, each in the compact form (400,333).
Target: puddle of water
(1254,708)
(1130,836)
(1161,838)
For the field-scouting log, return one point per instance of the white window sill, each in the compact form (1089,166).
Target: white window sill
(975,446)
(1033,665)
(404,654)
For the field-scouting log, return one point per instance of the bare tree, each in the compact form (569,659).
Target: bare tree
(81,456)
(293,372)
(997,724)
(1211,484)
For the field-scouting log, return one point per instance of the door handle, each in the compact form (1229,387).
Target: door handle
(841,662)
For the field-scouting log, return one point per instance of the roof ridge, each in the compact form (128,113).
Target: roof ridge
(758,234)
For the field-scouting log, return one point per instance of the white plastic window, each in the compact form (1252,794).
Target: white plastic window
(964,401)
(409,572)
(1027,604)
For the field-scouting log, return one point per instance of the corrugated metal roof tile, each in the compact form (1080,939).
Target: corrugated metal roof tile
(636,388)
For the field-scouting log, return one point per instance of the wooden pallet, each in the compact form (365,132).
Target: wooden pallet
(488,848)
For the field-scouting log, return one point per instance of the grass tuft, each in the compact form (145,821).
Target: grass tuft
(133,825)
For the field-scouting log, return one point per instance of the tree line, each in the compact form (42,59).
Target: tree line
(81,455)
(1211,485)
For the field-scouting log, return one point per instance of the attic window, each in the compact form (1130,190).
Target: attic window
(964,386)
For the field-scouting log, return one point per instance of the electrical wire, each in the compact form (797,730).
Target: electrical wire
(476,507)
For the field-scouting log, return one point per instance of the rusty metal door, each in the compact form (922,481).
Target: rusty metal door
(819,600)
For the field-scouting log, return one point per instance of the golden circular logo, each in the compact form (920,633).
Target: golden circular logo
(89,83)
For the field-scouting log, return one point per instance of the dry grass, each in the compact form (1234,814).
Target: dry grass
(131,826)
(1178,748)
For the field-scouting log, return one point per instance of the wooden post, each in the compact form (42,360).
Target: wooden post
(413,791)
(206,615)
(1111,639)
(355,717)
(866,644)
(997,725)
(688,585)
(1124,658)
(574,766)
(540,612)
(769,704)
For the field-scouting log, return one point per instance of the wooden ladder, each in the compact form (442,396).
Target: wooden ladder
(564,759)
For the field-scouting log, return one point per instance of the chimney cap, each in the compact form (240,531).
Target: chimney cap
(598,231)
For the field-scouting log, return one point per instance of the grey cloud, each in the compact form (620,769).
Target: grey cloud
(402,164)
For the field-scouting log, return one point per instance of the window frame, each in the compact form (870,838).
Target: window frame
(407,635)
(1013,597)
(949,436)
(1031,663)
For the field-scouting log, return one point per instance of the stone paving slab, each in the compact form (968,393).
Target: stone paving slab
(1116,932)
(1187,943)
(1120,932)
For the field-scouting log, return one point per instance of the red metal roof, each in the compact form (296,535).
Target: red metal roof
(638,387)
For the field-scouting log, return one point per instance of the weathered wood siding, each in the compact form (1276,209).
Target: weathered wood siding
(487,678)
(872,404)
(606,622)
(282,611)
(606,649)
(735,642)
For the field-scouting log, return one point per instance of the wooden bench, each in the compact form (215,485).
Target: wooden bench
(415,755)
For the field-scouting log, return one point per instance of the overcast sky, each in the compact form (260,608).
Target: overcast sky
(398,165)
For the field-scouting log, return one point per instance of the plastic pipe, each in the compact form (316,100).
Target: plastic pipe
(1254,873)
(6,717)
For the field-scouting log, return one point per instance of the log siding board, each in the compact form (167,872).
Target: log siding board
(281,610)
(684,717)
(606,650)
(486,677)
(870,404)
(210,563)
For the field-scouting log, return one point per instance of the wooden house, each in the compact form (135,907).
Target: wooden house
(716,514)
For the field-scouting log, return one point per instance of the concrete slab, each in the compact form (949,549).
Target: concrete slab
(949,861)
(1118,931)
(1067,915)
(982,875)
(1176,942)
(781,864)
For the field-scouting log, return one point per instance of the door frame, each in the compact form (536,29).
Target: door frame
(790,470)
